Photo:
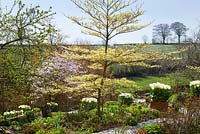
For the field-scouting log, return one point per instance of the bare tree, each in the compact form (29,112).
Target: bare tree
(161,31)
(24,25)
(196,35)
(179,29)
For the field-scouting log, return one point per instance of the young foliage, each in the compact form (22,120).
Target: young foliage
(106,19)
(23,25)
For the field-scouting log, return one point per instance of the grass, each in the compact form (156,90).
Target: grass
(173,79)
(143,82)
(163,48)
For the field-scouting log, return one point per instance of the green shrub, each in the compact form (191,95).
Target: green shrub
(15,125)
(108,118)
(153,114)
(114,107)
(78,116)
(54,130)
(136,113)
(125,99)
(143,112)
(177,99)
(153,129)
(57,130)
(41,131)
(130,121)
(56,119)
(50,125)
(88,127)
(30,115)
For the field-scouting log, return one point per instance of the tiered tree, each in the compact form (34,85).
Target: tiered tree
(106,19)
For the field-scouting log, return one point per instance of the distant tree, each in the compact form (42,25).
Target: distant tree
(156,39)
(196,35)
(179,29)
(161,31)
(145,39)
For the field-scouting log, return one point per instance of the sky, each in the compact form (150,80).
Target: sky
(156,11)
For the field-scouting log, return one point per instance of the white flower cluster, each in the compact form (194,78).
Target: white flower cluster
(13,113)
(52,104)
(89,100)
(159,86)
(24,107)
(126,95)
(195,84)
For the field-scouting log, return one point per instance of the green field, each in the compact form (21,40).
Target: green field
(173,79)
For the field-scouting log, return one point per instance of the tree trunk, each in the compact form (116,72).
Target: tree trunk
(179,39)
(102,82)
(104,68)
(163,40)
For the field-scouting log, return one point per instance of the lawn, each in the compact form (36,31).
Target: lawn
(173,79)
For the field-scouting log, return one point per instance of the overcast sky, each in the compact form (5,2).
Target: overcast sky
(158,11)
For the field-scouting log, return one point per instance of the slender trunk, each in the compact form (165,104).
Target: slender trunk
(163,40)
(179,39)
(99,103)
(102,83)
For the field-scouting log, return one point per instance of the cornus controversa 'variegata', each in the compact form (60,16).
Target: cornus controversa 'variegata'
(107,19)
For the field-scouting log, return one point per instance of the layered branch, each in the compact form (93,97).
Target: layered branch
(106,19)
(91,82)
(136,55)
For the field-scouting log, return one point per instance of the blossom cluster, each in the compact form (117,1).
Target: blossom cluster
(13,113)
(24,107)
(89,100)
(126,95)
(195,84)
(53,70)
(159,85)
(52,104)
